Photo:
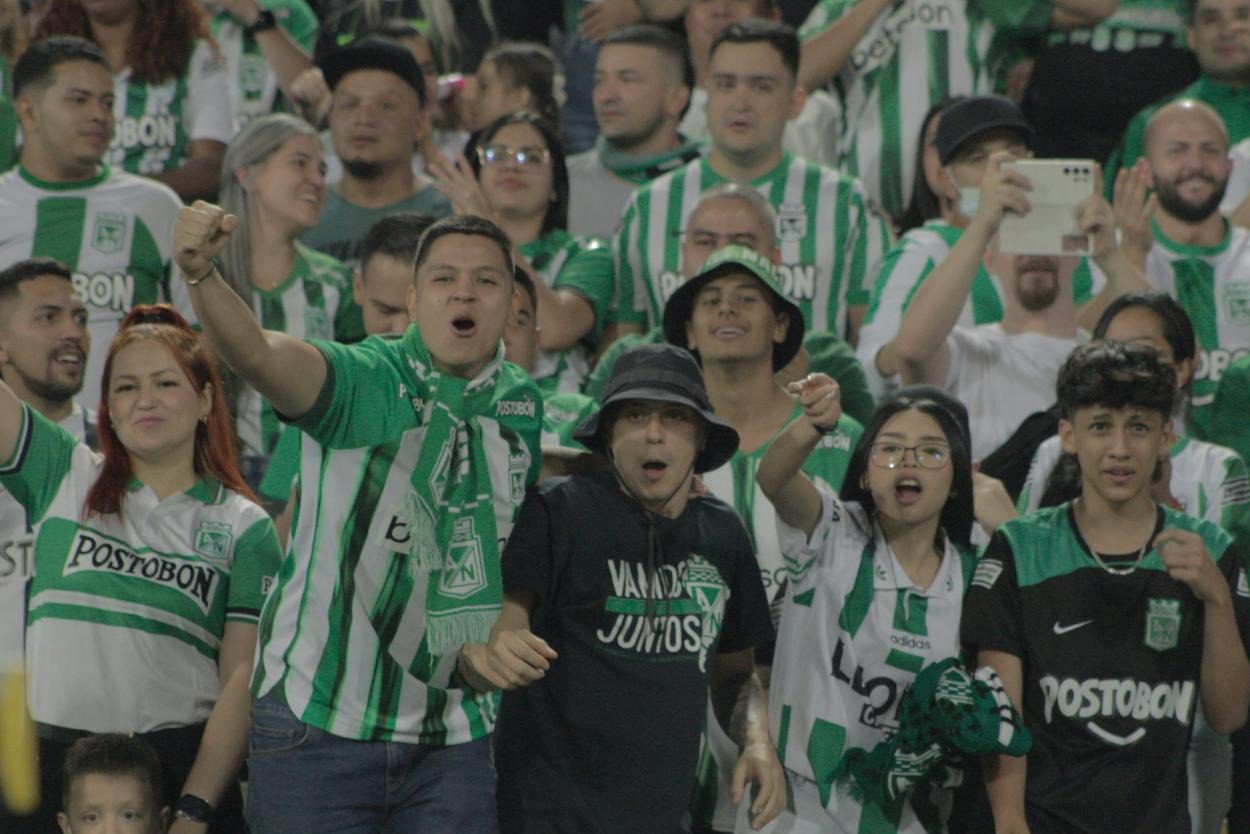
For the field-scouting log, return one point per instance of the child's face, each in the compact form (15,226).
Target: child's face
(101,803)
(1118,449)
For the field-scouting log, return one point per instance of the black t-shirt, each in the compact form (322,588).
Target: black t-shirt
(1111,669)
(608,740)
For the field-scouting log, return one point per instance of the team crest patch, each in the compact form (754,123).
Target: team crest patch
(109,233)
(517,468)
(213,540)
(1237,302)
(791,222)
(1163,624)
(987,573)
(704,585)
(316,324)
(465,573)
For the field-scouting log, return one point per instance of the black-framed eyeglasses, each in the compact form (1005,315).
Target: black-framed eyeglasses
(501,154)
(890,455)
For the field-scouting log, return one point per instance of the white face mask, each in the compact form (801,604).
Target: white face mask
(969,200)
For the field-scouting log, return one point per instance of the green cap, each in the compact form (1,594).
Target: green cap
(724,261)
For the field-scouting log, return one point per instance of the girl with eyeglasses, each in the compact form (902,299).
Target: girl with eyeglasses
(875,589)
(514,175)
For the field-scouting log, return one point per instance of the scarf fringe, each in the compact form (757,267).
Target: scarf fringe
(447,632)
(423,550)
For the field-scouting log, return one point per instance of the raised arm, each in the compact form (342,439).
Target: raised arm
(1122,266)
(284,370)
(823,56)
(920,347)
(10,421)
(780,475)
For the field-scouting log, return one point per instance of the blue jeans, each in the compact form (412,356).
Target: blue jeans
(304,779)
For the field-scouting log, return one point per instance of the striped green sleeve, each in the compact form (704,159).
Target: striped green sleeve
(872,238)
(588,272)
(257,555)
(1230,425)
(358,404)
(41,459)
(624,309)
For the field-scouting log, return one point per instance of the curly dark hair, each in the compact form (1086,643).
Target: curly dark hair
(164,37)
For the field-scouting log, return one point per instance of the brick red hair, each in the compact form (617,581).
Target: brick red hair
(214,438)
(160,45)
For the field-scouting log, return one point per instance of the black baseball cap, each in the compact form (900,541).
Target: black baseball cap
(969,117)
(374,52)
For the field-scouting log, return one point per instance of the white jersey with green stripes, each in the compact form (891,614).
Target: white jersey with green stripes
(830,242)
(734,483)
(855,631)
(1212,283)
(1208,482)
(915,53)
(127,610)
(342,638)
(156,123)
(307,305)
(115,233)
(253,85)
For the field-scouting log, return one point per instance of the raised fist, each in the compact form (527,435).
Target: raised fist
(200,232)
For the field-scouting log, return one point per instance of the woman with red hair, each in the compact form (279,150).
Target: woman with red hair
(151,561)
(172,91)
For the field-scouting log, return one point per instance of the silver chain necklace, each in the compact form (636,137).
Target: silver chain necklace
(1125,571)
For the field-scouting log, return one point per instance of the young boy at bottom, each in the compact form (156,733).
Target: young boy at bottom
(112,784)
(1108,617)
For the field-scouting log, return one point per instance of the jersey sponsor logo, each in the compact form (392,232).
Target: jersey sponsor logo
(931,15)
(109,233)
(910,641)
(677,610)
(1213,363)
(1117,698)
(194,580)
(17,558)
(523,407)
(106,290)
(797,281)
(146,131)
(668,282)
(466,572)
(1237,302)
(1163,624)
(1064,629)
(987,573)
(266,585)
(880,694)
(837,440)
(213,541)
(791,222)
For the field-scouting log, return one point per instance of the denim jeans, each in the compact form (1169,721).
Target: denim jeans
(304,779)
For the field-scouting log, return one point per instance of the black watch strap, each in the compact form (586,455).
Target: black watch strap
(264,22)
(191,807)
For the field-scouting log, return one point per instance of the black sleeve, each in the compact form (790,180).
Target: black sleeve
(747,622)
(991,615)
(528,560)
(1236,570)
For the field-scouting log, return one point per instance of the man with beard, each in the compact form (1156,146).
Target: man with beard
(642,88)
(376,115)
(1004,372)
(1191,252)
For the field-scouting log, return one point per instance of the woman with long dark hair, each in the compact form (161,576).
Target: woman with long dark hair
(151,561)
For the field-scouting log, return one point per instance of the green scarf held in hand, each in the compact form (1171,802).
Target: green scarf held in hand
(640,169)
(449,508)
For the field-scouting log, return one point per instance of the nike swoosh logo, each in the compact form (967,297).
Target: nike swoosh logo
(1065,629)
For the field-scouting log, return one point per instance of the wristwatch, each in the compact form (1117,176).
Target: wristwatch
(264,22)
(191,807)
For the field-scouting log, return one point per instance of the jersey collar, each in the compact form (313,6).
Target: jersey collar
(1188,250)
(207,490)
(888,574)
(47,185)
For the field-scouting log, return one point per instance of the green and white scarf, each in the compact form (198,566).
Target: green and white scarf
(449,508)
(642,169)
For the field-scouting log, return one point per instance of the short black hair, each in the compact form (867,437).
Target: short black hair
(527,283)
(111,754)
(463,224)
(1178,330)
(1115,375)
(395,236)
(664,41)
(12,277)
(41,58)
(781,37)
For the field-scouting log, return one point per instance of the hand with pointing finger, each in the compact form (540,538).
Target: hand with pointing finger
(818,395)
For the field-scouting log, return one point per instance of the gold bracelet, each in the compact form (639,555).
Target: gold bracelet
(195,282)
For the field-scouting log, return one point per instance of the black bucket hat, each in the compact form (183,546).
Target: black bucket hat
(373,52)
(662,373)
(972,116)
(678,309)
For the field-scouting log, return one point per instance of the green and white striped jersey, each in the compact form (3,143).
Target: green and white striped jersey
(127,611)
(916,53)
(1212,283)
(253,86)
(342,636)
(855,631)
(1208,481)
(563,412)
(830,241)
(115,233)
(1229,426)
(583,265)
(156,123)
(314,302)
(734,483)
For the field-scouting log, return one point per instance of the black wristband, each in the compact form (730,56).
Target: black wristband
(191,807)
(264,22)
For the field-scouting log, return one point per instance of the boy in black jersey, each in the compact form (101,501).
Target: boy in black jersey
(1107,618)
